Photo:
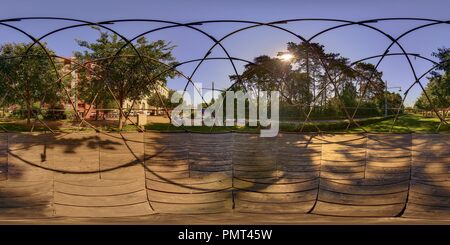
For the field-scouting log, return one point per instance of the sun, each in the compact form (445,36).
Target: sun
(286,57)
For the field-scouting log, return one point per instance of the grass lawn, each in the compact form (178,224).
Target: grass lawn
(405,124)
(65,126)
(166,127)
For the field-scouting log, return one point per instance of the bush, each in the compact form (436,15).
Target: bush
(54,114)
(70,114)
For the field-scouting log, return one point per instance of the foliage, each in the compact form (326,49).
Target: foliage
(128,76)
(29,78)
(438,87)
(155,100)
(318,83)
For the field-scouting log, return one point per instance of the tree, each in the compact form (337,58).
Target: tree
(328,73)
(272,74)
(438,87)
(315,77)
(126,76)
(394,102)
(371,85)
(165,101)
(436,91)
(30,78)
(91,88)
(349,95)
(307,58)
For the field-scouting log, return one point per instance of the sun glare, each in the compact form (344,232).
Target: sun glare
(286,57)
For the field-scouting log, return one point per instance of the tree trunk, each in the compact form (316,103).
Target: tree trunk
(28,103)
(121,117)
(28,114)
(96,111)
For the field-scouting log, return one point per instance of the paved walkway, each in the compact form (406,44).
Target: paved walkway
(229,219)
(44,177)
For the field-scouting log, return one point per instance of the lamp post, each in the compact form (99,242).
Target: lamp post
(385,96)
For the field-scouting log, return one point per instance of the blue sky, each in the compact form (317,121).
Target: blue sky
(353,42)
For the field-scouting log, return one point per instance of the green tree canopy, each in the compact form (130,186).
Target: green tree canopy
(315,75)
(29,78)
(127,75)
(153,99)
(438,87)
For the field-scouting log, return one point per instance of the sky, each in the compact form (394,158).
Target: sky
(355,42)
